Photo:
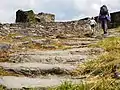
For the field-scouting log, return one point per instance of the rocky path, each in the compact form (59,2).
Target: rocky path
(70,56)
(25,82)
(42,69)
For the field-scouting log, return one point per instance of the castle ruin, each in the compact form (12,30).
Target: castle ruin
(43,24)
(30,16)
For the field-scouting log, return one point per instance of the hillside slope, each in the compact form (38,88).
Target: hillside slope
(43,62)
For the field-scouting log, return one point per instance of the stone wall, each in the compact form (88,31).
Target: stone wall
(115,19)
(48,28)
(45,17)
(79,28)
(25,16)
(31,17)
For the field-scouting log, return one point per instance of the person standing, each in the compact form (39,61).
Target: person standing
(104,18)
(92,23)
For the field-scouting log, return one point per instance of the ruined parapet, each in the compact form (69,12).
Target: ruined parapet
(47,27)
(77,28)
(115,19)
(29,16)
(25,16)
(0,25)
(45,17)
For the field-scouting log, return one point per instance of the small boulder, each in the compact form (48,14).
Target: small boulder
(4,50)
(18,37)
(41,41)
(4,47)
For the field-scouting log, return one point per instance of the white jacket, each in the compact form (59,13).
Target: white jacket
(92,22)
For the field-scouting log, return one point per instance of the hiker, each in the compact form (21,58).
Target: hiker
(104,18)
(92,23)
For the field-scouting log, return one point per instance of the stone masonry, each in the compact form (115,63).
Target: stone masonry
(45,17)
(29,16)
(46,26)
(79,28)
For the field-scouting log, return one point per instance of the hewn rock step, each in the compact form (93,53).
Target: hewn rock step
(114,35)
(80,51)
(58,56)
(71,43)
(79,46)
(83,39)
(48,59)
(12,82)
(35,69)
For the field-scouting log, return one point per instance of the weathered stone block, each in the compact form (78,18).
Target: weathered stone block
(29,16)
(45,17)
(25,16)
(115,19)
(4,47)
(4,50)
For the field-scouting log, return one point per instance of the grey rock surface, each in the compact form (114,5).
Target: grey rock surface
(20,82)
(38,68)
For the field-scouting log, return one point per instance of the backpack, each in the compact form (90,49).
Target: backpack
(103,10)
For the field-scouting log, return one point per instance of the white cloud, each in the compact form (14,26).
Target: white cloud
(63,9)
(112,4)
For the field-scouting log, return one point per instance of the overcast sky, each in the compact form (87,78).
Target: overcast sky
(63,9)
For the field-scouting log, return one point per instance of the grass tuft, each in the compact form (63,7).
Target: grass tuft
(99,72)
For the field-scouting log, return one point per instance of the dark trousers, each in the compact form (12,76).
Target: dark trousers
(104,26)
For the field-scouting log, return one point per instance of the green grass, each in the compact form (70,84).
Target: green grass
(117,29)
(71,86)
(102,84)
(2,87)
(106,61)
(110,44)
(99,71)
